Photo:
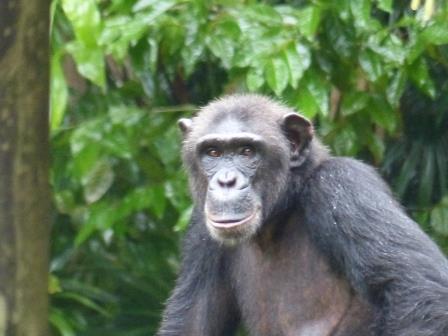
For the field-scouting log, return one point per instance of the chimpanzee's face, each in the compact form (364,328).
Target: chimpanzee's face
(230,156)
(240,167)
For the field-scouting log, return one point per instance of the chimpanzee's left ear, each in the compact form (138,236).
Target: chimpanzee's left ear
(185,125)
(300,132)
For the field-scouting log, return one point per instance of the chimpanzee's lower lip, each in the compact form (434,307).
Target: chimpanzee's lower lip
(229,223)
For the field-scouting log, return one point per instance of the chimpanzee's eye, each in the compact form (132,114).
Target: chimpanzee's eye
(213,152)
(247,151)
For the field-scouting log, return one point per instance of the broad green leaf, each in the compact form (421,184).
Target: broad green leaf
(229,29)
(306,103)
(342,9)
(345,142)
(142,4)
(254,79)
(191,55)
(319,89)
(304,53)
(262,13)
(59,92)
(153,9)
(158,204)
(117,143)
(87,136)
(100,217)
(308,20)
(222,41)
(439,217)
(416,46)
(194,40)
(376,147)
(385,5)
(114,27)
(83,162)
(371,64)
(223,48)
(168,147)
(136,200)
(390,48)
(85,19)
(184,219)
(354,101)
(289,15)
(340,39)
(382,113)
(173,191)
(59,320)
(243,56)
(172,37)
(152,167)
(89,61)
(419,74)
(142,198)
(396,87)
(54,286)
(277,74)
(64,201)
(436,33)
(228,2)
(98,181)
(53,6)
(361,13)
(298,58)
(120,32)
(126,116)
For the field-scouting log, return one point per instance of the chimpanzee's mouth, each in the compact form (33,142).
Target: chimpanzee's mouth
(225,223)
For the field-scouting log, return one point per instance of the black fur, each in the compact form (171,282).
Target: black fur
(353,218)
(335,254)
(203,282)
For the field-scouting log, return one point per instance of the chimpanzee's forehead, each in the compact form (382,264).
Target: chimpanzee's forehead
(236,124)
(239,114)
(229,125)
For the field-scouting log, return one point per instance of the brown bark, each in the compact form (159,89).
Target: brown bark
(24,191)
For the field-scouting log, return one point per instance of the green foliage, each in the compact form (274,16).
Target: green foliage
(372,75)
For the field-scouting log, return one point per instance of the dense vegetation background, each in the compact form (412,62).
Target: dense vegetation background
(373,75)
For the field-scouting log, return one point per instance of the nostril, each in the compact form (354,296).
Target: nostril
(228,179)
(231,182)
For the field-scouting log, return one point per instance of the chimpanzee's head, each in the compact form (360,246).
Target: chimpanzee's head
(241,152)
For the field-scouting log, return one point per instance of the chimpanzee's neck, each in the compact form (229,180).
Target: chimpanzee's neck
(275,230)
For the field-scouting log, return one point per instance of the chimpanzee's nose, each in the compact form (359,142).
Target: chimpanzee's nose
(227,179)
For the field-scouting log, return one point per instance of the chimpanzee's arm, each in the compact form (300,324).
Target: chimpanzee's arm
(202,302)
(354,220)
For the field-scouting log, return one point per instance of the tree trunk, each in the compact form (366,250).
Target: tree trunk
(24,190)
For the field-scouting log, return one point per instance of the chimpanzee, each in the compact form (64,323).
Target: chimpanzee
(290,241)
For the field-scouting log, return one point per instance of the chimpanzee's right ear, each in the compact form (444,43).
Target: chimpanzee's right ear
(185,125)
